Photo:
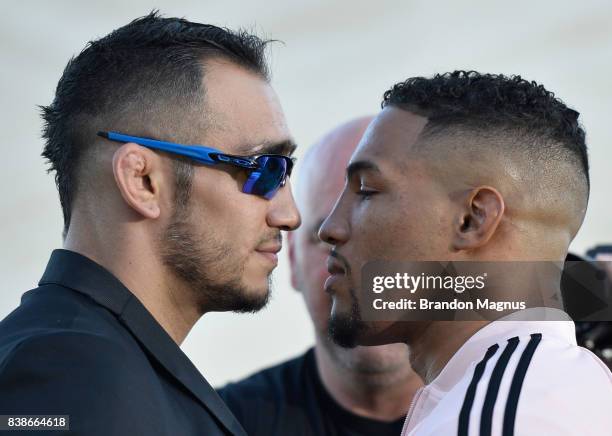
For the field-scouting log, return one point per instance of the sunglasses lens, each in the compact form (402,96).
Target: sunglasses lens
(266,180)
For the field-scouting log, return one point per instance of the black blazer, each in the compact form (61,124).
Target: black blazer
(81,344)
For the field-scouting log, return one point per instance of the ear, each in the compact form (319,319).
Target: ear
(137,173)
(295,280)
(479,219)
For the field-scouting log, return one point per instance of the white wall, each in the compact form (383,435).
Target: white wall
(337,59)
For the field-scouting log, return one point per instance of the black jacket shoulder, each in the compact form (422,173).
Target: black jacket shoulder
(61,354)
(82,344)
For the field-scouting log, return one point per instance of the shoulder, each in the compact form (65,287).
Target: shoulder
(537,384)
(565,385)
(86,376)
(274,398)
(55,329)
(277,381)
(568,371)
(55,307)
(69,364)
(53,314)
(63,354)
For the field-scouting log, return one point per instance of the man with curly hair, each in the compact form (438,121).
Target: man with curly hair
(466,166)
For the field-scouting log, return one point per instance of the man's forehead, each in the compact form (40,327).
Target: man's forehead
(392,129)
(249,142)
(244,113)
(390,135)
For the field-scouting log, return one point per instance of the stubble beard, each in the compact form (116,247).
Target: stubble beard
(209,268)
(345,328)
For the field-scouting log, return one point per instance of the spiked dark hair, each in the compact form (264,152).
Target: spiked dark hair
(145,70)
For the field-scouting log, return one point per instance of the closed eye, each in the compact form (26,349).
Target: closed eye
(366,193)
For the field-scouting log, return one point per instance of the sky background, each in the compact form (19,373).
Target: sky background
(334,63)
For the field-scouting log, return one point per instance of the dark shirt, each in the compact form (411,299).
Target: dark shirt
(81,344)
(290,400)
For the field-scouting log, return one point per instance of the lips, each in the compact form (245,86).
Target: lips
(332,282)
(270,248)
(334,266)
(338,270)
(269,252)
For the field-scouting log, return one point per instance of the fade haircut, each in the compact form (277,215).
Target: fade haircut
(144,78)
(543,127)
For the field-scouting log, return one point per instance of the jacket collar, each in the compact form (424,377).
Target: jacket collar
(77,272)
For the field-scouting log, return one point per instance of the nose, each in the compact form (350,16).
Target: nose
(283,213)
(334,230)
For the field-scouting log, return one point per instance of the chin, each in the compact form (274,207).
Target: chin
(346,329)
(383,335)
(251,302)
(242,297)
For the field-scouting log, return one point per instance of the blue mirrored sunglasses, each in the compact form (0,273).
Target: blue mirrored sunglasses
(267,173)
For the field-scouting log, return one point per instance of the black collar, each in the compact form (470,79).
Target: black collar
(75,271)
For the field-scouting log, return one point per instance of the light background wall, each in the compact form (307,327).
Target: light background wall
(336,60)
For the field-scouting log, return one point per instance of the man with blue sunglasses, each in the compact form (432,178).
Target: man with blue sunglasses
(172,157)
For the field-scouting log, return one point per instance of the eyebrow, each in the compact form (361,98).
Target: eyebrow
(360,165)
(286,148)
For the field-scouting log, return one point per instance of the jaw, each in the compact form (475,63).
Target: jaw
(377,333)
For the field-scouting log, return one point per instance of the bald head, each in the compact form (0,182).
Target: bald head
(323,167)
(319,182)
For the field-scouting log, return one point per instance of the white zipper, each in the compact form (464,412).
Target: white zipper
(411,410)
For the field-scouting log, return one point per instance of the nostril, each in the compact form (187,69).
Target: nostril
(325,237)
(330,241)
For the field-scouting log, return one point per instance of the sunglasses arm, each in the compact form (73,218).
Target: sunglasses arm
(195,152)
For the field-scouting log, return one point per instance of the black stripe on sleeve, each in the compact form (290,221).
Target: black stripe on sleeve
(466,408)
(486,419)
(517,384)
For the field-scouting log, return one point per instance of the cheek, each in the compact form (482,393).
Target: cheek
(376,226)
(218,196)
(238,225)
(396,228)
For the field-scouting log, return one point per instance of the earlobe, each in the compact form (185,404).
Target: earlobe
(480,217)
(133,168)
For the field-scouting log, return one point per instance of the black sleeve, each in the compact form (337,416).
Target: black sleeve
(85,376)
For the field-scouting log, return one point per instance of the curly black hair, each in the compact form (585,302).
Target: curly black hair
(148,70)
(476,101)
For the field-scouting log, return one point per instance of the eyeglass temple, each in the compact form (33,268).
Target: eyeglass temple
(201,154)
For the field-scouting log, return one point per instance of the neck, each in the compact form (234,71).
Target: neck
(432,347)
(384,396)
(130,259)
